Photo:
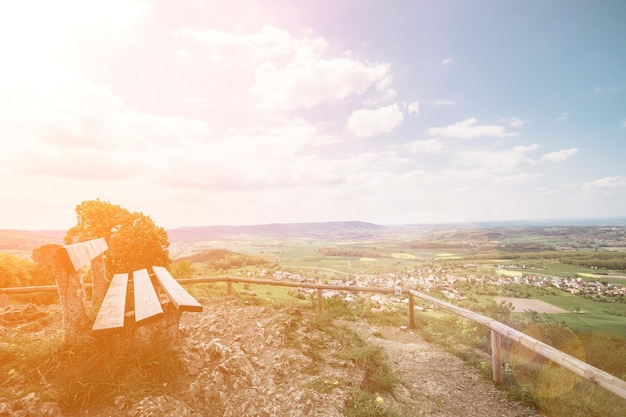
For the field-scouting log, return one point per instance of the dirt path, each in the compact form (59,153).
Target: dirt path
(434,382)
(438,382)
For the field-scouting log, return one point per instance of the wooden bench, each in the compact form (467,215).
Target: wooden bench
(128,301)
(114,315)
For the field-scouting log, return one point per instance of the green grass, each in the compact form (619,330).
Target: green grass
(509,272)
(365,404)
(378,379)
(553,269)
(271,292)
(213,289)
(594,318)
(555,391)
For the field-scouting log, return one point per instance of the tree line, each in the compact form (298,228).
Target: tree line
(349,253)
(224,259)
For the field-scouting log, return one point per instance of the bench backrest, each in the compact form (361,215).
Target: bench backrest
(75,256)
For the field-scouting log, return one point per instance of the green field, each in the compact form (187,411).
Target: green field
(271,292)
(555,269)
(592,317)
(563,270)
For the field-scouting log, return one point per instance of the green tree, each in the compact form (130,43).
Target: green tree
(134,240)
(17,272)
(182,269)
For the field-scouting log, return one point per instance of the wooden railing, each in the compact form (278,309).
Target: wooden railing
(4,292)
(591,373)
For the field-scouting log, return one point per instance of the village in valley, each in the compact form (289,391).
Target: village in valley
(449,285)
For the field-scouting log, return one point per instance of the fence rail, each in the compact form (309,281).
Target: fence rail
(591,373)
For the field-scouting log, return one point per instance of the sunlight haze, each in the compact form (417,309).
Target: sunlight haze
(242,112)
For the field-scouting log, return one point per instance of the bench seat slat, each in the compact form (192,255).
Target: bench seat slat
(110,318)
(147,304)
(176,293)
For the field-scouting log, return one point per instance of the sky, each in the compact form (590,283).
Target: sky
(230,112)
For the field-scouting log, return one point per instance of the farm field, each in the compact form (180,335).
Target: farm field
(593,315)
(523,304)
(557,269)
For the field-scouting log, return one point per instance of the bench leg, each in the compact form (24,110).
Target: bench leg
(72,296)
(164,330)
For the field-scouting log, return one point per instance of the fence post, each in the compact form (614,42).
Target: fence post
(320,300)
(229,285)
(496,359)
(411,312)
(4,299)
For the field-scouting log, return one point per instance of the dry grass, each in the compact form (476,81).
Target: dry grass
(84,374)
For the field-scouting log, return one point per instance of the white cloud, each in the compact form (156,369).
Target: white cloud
(35,30)
(366,122)
(606,183)
(563,117)
(469,129)
(414,107)
(384,84)
(61,124)
(308,81)
(517,179)
(517,122)
(182,55)
(559,156)
(292,72)
(500,161)
(446,61)
(624,124)
(269,43)
(444,102)
(374,100)
(424,146)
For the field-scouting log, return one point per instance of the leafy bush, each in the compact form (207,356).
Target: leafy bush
(18,272)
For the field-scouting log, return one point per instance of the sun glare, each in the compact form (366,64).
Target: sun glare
(36,30)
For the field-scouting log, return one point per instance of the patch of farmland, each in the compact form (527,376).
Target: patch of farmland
(523,304)
(508,273)
(402,255)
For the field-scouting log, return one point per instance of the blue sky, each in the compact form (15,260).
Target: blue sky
(241,112)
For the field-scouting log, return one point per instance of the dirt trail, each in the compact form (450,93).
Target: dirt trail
(441,384)
(434,382)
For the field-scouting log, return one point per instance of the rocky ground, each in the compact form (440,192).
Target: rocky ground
(240,361)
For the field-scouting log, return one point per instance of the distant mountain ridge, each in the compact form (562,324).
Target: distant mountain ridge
(320,229)
(27,240)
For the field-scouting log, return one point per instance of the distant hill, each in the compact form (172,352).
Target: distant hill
(224,259)
(27,240)
(352,229)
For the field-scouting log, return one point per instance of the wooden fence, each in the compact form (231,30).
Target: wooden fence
(591,373)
